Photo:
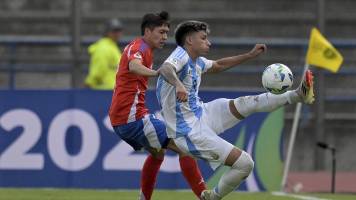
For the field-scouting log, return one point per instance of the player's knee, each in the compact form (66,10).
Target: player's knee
(243,105)
(244,164)
(157,154)
(249,163)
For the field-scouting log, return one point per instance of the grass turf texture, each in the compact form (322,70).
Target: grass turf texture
(71,194)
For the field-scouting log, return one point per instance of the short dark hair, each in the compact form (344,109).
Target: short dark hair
(152,20)
(187,27)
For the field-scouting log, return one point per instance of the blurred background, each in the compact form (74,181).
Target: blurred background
(43,46)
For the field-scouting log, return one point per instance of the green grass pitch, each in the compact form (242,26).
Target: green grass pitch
(73,194)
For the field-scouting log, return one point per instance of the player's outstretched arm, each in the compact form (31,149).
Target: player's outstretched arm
(229,62)
(136,67)
(168,72)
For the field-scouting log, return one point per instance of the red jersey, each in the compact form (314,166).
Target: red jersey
(128,100)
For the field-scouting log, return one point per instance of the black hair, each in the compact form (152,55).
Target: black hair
(187,27)
(152,20)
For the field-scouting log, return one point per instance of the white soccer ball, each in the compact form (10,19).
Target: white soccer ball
(277,78)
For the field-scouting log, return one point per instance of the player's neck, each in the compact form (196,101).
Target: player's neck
(192,54)
(147,41)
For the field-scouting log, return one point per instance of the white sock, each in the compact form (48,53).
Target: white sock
(265,102)
(232,178)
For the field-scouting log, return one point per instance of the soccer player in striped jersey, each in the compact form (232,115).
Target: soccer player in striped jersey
(129,115)
(195,125)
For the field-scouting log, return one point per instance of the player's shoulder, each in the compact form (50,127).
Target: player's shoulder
(179,52)
(136,46)
(140,45)
(179,55)
(133,45)
(201,60)
(204,63)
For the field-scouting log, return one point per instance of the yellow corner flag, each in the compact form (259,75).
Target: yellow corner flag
(321,52)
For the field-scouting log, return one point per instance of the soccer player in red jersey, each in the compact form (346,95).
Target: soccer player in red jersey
(129,115)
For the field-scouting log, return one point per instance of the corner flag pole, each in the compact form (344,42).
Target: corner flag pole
(293,134)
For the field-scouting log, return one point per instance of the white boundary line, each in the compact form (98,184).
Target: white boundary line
(302,197)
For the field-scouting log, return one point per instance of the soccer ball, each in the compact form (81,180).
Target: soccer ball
(277,78)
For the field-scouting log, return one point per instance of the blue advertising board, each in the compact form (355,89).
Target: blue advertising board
(64,139)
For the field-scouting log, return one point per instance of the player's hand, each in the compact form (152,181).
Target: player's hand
(155,73)
(158,71)
(257,50)
(182,94)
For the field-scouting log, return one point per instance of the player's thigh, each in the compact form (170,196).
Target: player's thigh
(132,134)
(217,115)
(155,132)
(181,152)
(148,133)
(206,145)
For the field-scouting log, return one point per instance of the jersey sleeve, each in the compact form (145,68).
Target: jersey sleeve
(134,53)
(178,58)
(206,64)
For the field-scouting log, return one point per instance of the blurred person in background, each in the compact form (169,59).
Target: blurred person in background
(130,117)
(105,56)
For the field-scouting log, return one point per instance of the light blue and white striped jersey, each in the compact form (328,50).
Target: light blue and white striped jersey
(180,117)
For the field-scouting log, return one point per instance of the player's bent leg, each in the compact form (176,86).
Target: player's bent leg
(233,156)
(149,133)
(241,166)
(149,173)
(190,170)
(265,102)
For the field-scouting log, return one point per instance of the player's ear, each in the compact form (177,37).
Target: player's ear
(147,31)
(189,39)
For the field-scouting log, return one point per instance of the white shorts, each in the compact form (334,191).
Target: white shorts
(203,140)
